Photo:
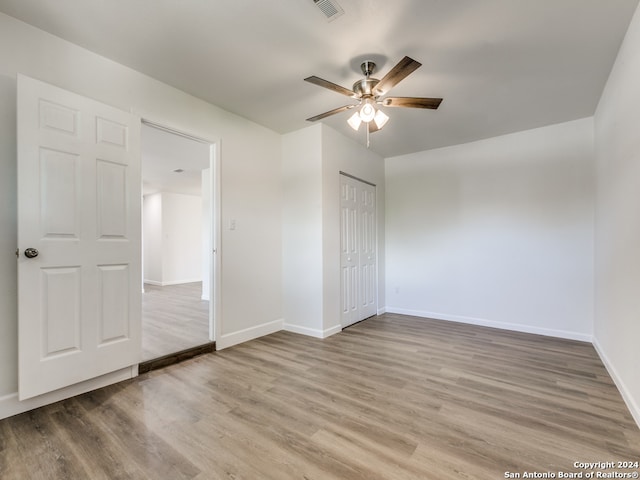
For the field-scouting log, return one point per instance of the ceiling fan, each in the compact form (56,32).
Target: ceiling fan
(370,92)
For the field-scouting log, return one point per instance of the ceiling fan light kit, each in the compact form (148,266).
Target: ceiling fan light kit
(380,119)
(369,91)
(354,121)
(367,111)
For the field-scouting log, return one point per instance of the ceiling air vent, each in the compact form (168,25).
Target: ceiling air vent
(329,8)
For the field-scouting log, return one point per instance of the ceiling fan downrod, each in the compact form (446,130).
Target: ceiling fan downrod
(367,68)
(364,87)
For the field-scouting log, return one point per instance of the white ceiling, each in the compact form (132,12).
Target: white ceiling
(163,153)
(500,65)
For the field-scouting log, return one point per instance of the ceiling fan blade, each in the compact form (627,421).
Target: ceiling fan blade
(412,102)
(330,85)
(403,68)
(372,127)
(331,112)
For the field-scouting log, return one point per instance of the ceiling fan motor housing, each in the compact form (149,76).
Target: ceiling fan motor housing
(365,87)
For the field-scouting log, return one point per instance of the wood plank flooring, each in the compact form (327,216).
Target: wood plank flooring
(394,397)
(174,318)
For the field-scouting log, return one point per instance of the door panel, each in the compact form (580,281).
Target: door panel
(79,300)
(58,191)
(358,250)
(367,212)
(349,253)
(112,200)
(61,310)
(113,302)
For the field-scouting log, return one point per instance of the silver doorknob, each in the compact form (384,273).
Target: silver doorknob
(31,252)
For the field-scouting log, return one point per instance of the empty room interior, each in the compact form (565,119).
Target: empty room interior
(319,239)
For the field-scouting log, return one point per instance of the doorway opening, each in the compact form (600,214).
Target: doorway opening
(178,242)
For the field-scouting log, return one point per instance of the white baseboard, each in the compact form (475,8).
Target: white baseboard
(549,332)
(173,282)
(632,404)
(332,331)
(229,339)
(10,405)
(312,332)
(382,310)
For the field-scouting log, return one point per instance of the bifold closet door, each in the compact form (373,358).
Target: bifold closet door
(358,254)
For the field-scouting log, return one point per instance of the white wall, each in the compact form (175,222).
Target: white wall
(617,139)
(497,232)
(152,238)
(340,153)
(172,231)
(250,256)
(207,234)
(8,237)
(181,238)
(302,230)
(312,160)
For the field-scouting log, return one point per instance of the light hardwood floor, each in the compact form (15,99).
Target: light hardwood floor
(173,318)
(393,397)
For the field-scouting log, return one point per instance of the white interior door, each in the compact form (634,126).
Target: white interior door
(349,254)
(358,255)
(367,257)
(79,299)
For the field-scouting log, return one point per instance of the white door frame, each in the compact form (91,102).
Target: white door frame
(215,308)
